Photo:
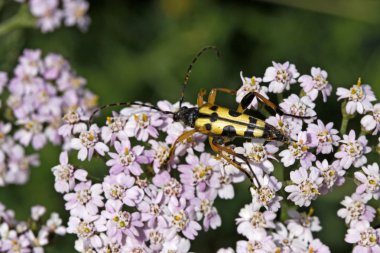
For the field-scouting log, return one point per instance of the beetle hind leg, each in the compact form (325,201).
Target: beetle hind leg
(219,149)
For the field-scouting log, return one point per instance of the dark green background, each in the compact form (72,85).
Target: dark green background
(139,50)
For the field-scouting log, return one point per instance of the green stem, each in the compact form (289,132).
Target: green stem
(22,19)
(343,126)
(345,118)
(280,98)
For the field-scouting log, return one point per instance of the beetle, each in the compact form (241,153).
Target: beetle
(219,123)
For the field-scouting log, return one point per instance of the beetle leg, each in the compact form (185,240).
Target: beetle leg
(212,94)
(229,160)
(247,100)
(200,99)
(180,139)
(219,149)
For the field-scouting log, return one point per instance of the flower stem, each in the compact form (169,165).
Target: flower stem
(345,118)
(22,19)
(280,98)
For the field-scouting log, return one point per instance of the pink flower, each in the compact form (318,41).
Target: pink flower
(371,122)
(305,187)
(258,242)
(251,85)
(316,83)
(280,76)
(303,224)
(266,195)
(252,220)
(369,181)
(299,151)
(127,158)
(143,125)
(75,13)
(85,229)
(49,16)
(259,155)
(86,198)
(201,173)
(182,219)
(365,238)
(327,136)
(302,107)
(352,151)
(355,209)
(359,98)
(332,175)
(65,174)
(87,142)
(118,223)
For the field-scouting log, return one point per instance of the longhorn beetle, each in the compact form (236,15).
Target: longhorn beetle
(220,124)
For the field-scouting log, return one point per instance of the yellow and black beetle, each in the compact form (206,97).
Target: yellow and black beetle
(220,124)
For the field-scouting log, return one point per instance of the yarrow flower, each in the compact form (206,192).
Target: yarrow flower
(280,76)
(152,196)
(369,181)
(316,83)
(251,85)
(371,122)
(352,151)
(31,236)
(300,151)
(305,187)
(365,237)
(42,91)
(359,98)
(50,14)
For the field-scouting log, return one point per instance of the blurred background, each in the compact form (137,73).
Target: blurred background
(140,50)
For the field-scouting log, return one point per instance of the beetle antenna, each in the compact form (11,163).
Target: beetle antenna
(125,104)
(187,75)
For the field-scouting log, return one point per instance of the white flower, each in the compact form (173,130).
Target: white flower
(355,209)
(352,151)
(371,122)
(316,83)
(280,76)
(369,181)
(359,97)
(251,85)
(303,224)
(306,186)
(87,142)
(252,219)
(327,136)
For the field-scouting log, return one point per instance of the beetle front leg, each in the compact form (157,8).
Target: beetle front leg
(201,94)
(212,95)
(180,139)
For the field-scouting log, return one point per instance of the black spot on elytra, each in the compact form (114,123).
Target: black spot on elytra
(248,133)
(234,113)
(252,120)
(214,117)
(214,108)
(208,126)
(229,131)
(247,100)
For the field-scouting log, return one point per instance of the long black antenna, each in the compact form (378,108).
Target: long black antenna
(125,104)
(187,76)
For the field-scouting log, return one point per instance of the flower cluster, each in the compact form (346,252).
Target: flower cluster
(43,92)
(309,153)
(51,14)
(154,198)
(28,236)
(139,205)
(263,234)
(357,212)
